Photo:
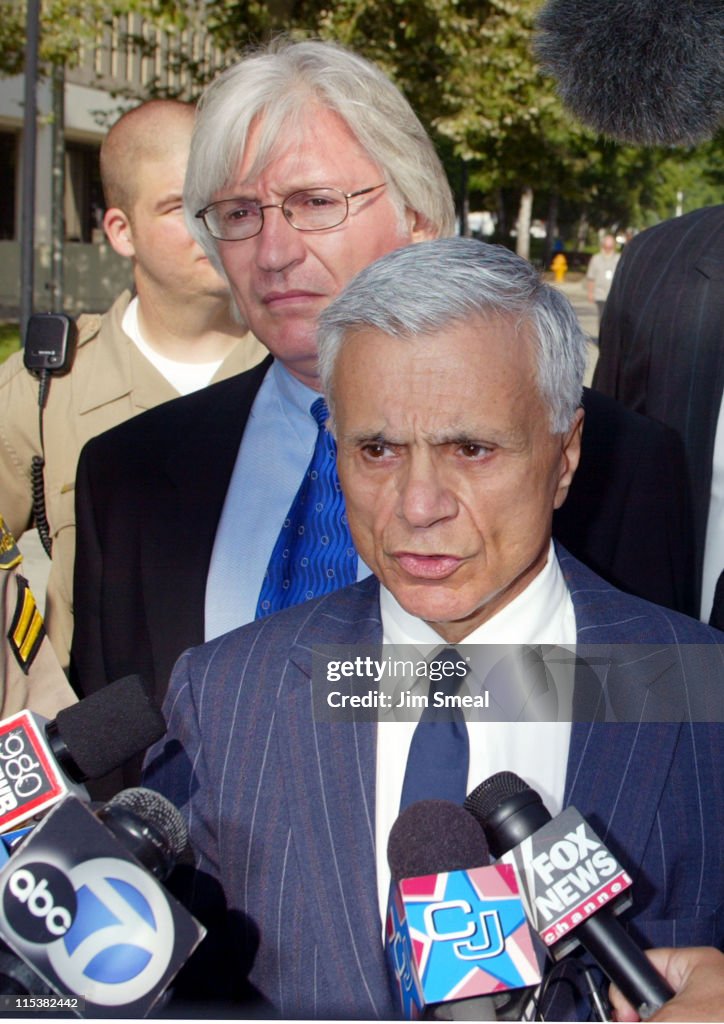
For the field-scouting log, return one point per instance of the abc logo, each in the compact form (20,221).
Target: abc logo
(122,938)
(39,902)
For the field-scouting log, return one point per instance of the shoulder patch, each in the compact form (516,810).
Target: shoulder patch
(27,630)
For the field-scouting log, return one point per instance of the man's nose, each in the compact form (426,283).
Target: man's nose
(279,245)
(425,496)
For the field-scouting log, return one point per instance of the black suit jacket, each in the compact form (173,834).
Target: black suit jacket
(150,493)
(662,341)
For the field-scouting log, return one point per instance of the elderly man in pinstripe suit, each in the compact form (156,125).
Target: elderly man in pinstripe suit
(453,377)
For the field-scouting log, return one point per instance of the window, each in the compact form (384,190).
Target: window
(83,192)
(8,182)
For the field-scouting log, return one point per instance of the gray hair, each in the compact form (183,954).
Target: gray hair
(278,83)
(425,287)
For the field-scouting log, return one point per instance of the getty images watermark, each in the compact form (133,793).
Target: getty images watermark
(519,683)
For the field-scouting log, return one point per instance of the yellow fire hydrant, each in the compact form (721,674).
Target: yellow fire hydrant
(559,266)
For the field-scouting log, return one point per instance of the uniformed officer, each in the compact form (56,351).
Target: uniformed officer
(30,673)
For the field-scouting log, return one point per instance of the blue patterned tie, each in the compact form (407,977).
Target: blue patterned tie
(314,553)
(439,755)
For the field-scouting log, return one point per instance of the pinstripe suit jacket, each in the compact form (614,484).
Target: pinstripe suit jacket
(662,340)
(280,805)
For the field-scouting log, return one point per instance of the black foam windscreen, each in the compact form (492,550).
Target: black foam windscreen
(155,811)
(648,72)
(432,836)
(101,732)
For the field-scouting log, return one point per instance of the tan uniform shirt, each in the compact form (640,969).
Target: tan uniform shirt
(30,673)
(110,382)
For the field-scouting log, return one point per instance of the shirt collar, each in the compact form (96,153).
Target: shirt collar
(291,391)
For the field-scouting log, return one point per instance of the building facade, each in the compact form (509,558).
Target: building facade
(129,61)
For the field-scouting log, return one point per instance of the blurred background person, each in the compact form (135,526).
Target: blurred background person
(599,274)
(175,334)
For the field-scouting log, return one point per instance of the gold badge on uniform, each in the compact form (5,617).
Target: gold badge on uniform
(9,553)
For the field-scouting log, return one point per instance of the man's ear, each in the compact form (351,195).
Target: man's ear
(570,457)
(118,231)
(420,228)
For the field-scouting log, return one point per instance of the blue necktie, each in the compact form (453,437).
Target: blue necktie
(314,553)
(439,755)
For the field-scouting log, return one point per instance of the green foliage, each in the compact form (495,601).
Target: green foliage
(468,69)
(9,339)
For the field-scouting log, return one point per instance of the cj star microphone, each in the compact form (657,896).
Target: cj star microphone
(456,928)
(568,877)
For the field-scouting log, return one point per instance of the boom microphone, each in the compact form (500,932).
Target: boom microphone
(455,928)
(79,909)
(648,72)
(41,761)
(566,870)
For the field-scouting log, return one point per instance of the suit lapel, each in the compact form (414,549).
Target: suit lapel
(329,782)
(187,504)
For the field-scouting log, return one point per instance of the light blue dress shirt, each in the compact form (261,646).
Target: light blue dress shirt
(273,456)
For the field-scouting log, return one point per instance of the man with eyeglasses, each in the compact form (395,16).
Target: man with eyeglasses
(307,164)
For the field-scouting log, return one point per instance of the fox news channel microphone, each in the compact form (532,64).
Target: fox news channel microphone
(78,907)
(568,877)
(455,927)
(41,761)
(647,72)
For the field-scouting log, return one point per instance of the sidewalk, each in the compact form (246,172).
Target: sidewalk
(575,291)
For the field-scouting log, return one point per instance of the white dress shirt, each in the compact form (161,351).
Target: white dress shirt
(536,751)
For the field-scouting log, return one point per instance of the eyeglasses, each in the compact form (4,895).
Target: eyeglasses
(311,209)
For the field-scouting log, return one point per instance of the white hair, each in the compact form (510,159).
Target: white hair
(274,86)
(423,288)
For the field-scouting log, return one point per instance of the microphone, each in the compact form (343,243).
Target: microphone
(150,828)
(648,72)
(78,907)
(41,761)
(566,871)
(455,928)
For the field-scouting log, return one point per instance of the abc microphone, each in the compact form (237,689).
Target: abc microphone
(455,927)
(79,907)
(149,827)
(568,877)
(41,761)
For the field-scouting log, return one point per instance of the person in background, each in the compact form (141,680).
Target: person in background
(176,333)
(661,354)
(599,275)
(306,164)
